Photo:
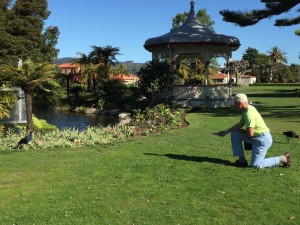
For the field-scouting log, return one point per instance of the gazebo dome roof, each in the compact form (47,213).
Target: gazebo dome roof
(192,32)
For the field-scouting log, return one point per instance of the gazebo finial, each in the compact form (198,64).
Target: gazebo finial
(192,3)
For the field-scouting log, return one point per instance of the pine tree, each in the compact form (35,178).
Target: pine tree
(272,8)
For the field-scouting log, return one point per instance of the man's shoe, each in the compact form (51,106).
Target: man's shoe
(288,160)
(239,163)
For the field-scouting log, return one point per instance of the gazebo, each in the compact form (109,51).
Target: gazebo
(192,40)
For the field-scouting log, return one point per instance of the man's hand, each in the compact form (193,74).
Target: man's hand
(222,133)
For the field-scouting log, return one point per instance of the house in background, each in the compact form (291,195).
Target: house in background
(74,68)
(127,79)
(70,68)
(246,80)
(222,78)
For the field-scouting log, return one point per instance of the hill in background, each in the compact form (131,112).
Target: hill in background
(63,60)
(131,66)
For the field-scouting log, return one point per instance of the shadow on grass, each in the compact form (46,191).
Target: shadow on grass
(281,111)
(199,159)
(286,111)
(280,93)
(218,111)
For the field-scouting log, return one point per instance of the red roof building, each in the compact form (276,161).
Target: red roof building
(68,68)
(224,79)
(128,79)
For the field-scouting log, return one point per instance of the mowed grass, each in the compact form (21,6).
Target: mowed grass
(182,176)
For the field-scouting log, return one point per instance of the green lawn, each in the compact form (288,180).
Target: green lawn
(179,177)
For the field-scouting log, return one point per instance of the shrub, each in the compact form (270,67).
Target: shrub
(80,109)
(1,130)
(158,118)
(67,138)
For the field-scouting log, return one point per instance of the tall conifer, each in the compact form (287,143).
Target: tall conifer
(22,38)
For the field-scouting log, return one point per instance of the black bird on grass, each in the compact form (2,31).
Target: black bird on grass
(25,140)
(291,134)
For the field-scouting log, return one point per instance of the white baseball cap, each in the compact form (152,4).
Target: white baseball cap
(241,98)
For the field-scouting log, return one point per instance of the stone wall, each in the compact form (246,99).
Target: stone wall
(214,96)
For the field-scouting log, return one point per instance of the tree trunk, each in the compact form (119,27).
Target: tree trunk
(68,89)
(28,101)
(94,84)
(89,84)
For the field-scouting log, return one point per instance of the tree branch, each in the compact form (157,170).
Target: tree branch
(248,18)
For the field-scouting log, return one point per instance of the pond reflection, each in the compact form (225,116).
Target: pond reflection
(63,120)
(79,121)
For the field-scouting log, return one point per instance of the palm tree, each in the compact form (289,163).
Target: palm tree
(7,97)
(277,55)
(183,73)
(84,63)
(119,70)
(29,76)
(104,57)
(95,56)
(109,55)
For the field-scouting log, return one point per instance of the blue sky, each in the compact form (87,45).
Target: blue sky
(128,24)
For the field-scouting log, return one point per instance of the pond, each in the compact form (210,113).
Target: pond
(64,120)
(79,121)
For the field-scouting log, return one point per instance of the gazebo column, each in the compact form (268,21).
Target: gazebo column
(228,59)
(206,79)
(171,58)
(207,56)
(171,53)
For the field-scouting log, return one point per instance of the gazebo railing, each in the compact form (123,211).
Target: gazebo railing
(213,96)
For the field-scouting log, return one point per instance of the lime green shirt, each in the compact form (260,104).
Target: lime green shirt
(252,118)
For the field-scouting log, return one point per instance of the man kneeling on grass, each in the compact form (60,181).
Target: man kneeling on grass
(256,133)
